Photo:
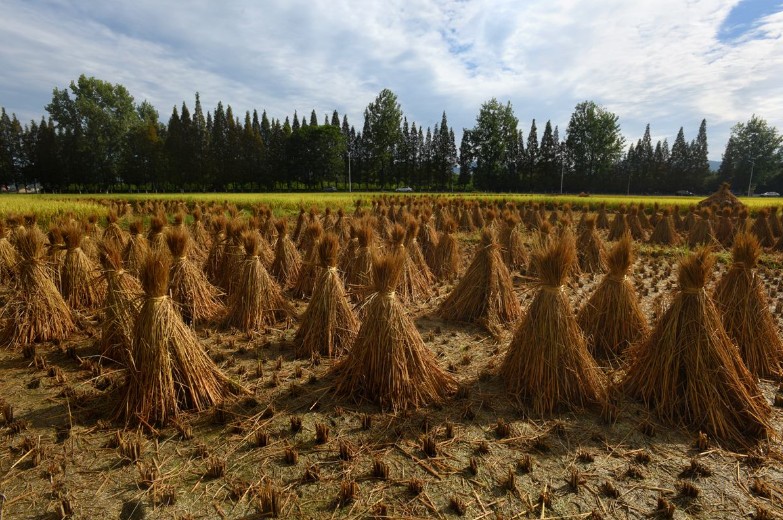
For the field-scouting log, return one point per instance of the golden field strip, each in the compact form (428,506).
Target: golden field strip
(48,206)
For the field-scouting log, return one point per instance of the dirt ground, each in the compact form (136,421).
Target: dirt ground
(294,448)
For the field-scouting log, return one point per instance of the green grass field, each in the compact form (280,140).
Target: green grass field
(48,206)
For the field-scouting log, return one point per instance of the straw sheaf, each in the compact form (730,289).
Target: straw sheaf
(328,249)
(554,260)
(689,372)
(743,304)
(620,257)
(178,241)
(154,275)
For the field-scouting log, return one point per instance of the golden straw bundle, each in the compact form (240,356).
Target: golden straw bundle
(310,270)
(8,257)
(619,225)
(328,325)
(36,310)
(547,362)
(612,319)
(701,232)
(389,362)
(762,229)
(258,300)
(121,306)
(590,249)
(156,237)
(358,275)
(197,300)
(416,279)
(79,276)
(485,294)
(665,233)
(688,370)
(137,248)
(447,255)
(287,263)
(169,371)
(113,233)
(512,243)
(724,231)
(744,307)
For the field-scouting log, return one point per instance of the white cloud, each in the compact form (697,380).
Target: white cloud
(658,62)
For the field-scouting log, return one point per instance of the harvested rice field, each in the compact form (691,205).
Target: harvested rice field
(416,357)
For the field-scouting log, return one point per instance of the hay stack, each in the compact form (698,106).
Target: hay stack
(590,249)
(287,263)
(358,275)
(602,220)
(389,363)
(547,362)
(701,232)
(612,318)
(310,270)
(416,279)
(36,311)
(690,373)
(9,257)
(447,255)
(762,229)
(136,250)
(169,371)
(665,233)
(121,306)
(485,295)
(79,276)
(197,300)
(722,198)
(774,222)
(635,224)
(156,236)
(300,225)
(217,250)
(619,226)
(428,238)
(724,232)
(198,231)
(744,307)
(113,234)
(512,242)
(328,325)
(258,300)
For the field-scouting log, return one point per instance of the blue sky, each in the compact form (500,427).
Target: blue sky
(668,63)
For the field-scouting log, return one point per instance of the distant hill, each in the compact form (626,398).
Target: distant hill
(714,165)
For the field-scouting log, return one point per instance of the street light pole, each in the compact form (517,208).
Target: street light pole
(349,171)
(750,181)
(562,170)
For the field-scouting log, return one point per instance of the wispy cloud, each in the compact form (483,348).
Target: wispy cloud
(662,63)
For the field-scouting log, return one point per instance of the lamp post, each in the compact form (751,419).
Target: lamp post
(562,170)
(752,138)
(750,181)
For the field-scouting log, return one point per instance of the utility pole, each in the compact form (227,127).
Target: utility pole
(349,171)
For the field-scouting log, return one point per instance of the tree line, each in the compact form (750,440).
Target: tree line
(97,138)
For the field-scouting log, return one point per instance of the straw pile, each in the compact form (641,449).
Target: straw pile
(722,197)
(743,305)
(287,263)
(258,300)
(79,280)
(113,234)
(612,318)
(328,325)
(212,266)
(310,270)
(197,300)
(36,311)
(156,237)
(485,295)
(665,233)
(428,238)
(198,231)
(724,231)
(8,257)
(447,257)
(137,248)
(547,362)
(635,224)
(619,226)
(389,363)
(358,275)
(701,232)
(690,373)
(590,249)
(169,371)
(121,306)
(512,243)
(762,229)
(416,279)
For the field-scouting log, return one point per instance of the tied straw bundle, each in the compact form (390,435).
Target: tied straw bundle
(743,306)
(79,276)
(485,294)
(358,275)
(612,318)
(287,263)
(590,249)
(121,306)
(690,373)
(36,310)
(197,300)
(447,256)
(328,325)
(547,362)
(137,248)
(389,362)
(258,300)
(169,371)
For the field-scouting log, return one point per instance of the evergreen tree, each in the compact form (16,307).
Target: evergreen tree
(699,167)
(465,160)
(495,147)
(679,164)
(336,119)
(594,145)
(382,133)
(313,118)
(532,156)
(295,124)
(549,172)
